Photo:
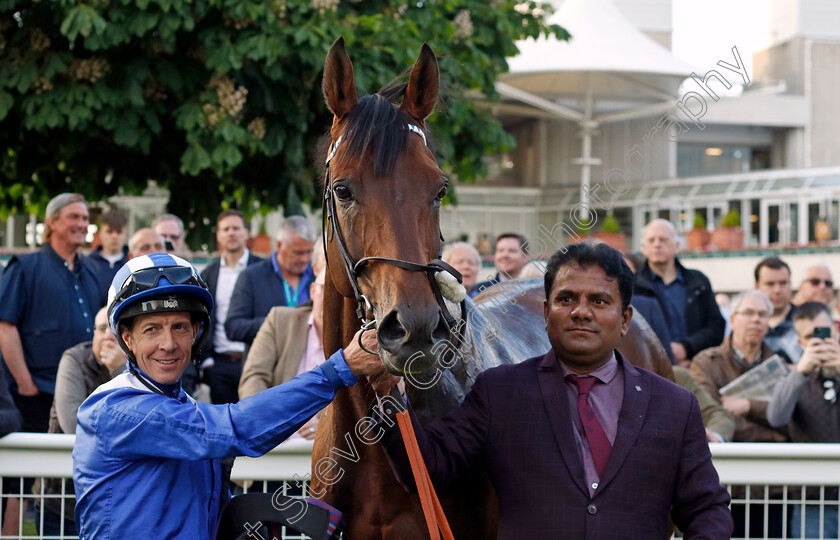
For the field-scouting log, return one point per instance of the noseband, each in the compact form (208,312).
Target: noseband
(354,268)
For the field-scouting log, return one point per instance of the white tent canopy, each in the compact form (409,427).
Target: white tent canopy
(625,63)
(608,71)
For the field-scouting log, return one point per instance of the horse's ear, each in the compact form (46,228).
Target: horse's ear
(422,92)
(338,86)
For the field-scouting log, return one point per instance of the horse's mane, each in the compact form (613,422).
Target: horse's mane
(376,119)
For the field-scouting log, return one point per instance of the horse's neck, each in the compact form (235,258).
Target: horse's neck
(504,329)
(340,326)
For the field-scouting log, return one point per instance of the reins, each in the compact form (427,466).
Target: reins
(432,509)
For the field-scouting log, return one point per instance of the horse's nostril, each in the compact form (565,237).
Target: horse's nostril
(390,330)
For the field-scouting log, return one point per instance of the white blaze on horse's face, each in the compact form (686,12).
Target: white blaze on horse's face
(382,199)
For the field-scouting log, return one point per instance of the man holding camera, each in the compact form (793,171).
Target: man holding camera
(806,401)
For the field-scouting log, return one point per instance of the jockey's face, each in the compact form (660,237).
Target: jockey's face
(162,344)
(584,317)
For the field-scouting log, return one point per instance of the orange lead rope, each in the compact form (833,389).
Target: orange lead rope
(435,518)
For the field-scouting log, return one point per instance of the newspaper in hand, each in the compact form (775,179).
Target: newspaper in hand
(758,382)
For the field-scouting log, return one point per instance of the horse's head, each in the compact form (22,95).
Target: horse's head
(383,191)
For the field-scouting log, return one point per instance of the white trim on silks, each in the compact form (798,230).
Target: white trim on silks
(124,380)
(128,380)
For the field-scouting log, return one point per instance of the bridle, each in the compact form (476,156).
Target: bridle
(354,268)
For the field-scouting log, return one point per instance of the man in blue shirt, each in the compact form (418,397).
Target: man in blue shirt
(686,296)
(141,434)
(48,301)
(281,280)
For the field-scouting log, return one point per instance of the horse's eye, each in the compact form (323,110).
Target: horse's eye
(442,193)
(343,193)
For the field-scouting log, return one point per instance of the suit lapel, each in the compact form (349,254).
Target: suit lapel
(552,387)
(631,418)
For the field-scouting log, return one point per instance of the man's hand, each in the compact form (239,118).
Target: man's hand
(711,436)
(736,405)
(383,382)
(307,430)
(359,361)
(680,356)
(111,356)
(819,353)
(27,388)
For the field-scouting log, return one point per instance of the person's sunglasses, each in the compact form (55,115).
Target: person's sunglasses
(143,280)
(816,282)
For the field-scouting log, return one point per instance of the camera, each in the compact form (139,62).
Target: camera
(822,332)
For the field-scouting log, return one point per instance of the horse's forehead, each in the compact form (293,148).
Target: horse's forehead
(414,167)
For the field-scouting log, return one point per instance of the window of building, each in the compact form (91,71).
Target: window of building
(707,160)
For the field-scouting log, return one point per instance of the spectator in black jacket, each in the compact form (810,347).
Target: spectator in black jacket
(686,296)
(222,358)
(281,280)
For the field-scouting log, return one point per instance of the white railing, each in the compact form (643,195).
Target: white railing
(760,466)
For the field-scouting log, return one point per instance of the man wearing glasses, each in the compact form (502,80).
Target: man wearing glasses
(171,228)
(713,368)
(82,370)
(817,286)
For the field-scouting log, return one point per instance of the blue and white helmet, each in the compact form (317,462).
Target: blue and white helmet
(158,283)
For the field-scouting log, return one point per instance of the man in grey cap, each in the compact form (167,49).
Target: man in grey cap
(48,300)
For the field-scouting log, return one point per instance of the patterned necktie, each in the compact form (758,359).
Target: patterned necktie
(599,444)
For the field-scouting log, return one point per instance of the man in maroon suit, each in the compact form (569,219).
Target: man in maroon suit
(578,442)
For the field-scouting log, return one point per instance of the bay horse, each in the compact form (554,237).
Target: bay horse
(382,195)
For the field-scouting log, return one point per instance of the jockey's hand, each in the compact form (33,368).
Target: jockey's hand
(359,361)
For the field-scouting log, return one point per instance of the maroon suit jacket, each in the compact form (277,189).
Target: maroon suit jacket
(516,425)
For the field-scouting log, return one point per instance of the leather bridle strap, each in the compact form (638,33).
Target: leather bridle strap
(354,268)
(432,509)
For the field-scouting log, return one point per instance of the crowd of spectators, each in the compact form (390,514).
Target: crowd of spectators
(56,346)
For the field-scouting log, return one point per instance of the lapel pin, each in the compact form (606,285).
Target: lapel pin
(638,389)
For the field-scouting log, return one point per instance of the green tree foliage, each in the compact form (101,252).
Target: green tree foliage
(220,100)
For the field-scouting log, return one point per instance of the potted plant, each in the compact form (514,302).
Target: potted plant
(729,236)
(611,234)
(698,237)
(583,229)
(262,244)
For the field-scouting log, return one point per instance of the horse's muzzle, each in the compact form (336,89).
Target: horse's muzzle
(408,339)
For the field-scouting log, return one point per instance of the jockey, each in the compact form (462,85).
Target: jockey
(147,456)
